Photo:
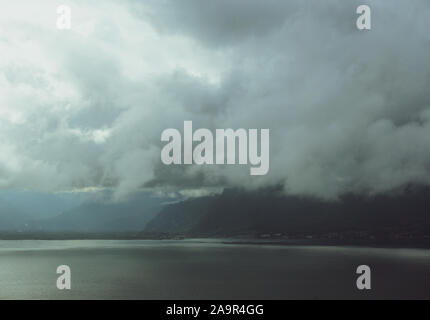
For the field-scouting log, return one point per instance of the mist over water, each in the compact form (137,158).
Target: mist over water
(194,269)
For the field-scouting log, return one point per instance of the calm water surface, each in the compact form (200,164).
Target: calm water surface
(194,269)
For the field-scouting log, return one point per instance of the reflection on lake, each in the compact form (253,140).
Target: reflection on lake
(193,269)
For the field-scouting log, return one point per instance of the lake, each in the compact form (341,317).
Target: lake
(207,269)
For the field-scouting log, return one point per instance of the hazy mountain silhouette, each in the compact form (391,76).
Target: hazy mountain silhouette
(104,216)
(11,218)
(18,208)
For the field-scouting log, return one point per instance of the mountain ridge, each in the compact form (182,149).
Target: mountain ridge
(237,211)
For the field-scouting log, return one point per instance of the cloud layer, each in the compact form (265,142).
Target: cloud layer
(348,111)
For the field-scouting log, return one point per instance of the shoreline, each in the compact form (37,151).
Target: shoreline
(412,243)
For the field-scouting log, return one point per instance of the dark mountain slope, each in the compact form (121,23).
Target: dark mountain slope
(268,211)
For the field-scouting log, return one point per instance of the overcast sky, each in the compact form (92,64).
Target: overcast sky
(348,110)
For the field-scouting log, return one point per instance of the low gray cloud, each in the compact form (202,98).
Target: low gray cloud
(348,110)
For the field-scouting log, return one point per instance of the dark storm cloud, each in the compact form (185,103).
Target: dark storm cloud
(217,23)
(224,22)
(348,111)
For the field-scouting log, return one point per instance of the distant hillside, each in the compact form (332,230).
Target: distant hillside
(18,208)
(39,205)
(102,216)
(237,212)
(181,217)
(11,218)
